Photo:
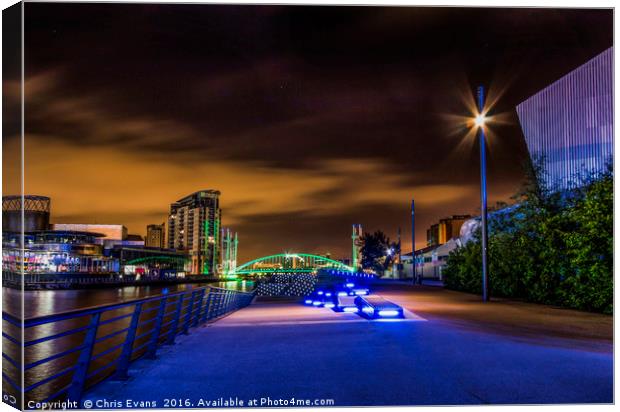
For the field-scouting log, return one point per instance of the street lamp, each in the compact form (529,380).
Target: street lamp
(479,121)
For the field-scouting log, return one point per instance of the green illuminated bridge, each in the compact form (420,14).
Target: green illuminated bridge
(289,263)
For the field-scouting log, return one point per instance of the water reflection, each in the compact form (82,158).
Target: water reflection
(47,302)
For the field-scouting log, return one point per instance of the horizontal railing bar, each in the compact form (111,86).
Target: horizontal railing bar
(144,345)
(10,381)
(167,323)
(102,368)
(146,322)
(107,351)
(12,319)
(58,335)
(149,332)
(57,394)
(111,335)
(39,320)
(50,378)
(11,361)
(53,357)
(10,338)
(114,319)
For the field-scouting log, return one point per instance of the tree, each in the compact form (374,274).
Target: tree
(550,247)
(378,252)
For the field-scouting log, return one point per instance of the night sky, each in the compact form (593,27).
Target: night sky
(307,119)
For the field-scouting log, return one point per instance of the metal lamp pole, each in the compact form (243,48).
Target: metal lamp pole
(483,197)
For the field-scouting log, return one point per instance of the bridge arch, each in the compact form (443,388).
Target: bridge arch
(290,263)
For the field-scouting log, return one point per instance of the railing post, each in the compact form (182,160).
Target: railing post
(226,302)
(220,304)
(125,358)
(81,369)
(188,314)
(200,299)
(152,349)
(207,312)
(175,323)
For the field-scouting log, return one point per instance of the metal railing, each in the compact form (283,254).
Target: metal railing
(68,352)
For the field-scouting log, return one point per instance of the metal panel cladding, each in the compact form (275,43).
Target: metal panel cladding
(569,124)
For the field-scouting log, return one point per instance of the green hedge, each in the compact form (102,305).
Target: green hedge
(549,249)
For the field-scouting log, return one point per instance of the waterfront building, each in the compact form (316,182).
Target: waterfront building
(108,232)
(145,263)
(430,261)
(446,229)
(55,251)
(155,236)
(111,235)
(569,124)
(194,226)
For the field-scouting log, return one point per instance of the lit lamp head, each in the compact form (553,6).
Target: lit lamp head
(479,120)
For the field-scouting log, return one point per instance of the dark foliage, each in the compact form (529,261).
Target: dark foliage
(550,248)
(377,251)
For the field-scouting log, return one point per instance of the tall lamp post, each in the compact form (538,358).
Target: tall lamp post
(479,122)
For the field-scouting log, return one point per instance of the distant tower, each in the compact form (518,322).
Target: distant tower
(229,251)
(356,249)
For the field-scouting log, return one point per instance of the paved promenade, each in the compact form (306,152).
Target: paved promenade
(276,350)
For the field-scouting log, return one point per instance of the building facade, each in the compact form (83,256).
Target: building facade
(447,228)
(155,236)
(569,124)
(108,232)
(194,226)
(55,251)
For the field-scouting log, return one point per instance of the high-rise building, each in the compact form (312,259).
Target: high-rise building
(569,124)
(155,236)
(446,229)
(194,227)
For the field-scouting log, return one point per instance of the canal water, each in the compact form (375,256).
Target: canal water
(46,302)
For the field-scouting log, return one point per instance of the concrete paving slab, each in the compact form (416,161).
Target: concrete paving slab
(331,356)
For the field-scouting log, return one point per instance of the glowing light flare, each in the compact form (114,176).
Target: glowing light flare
(388,313)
